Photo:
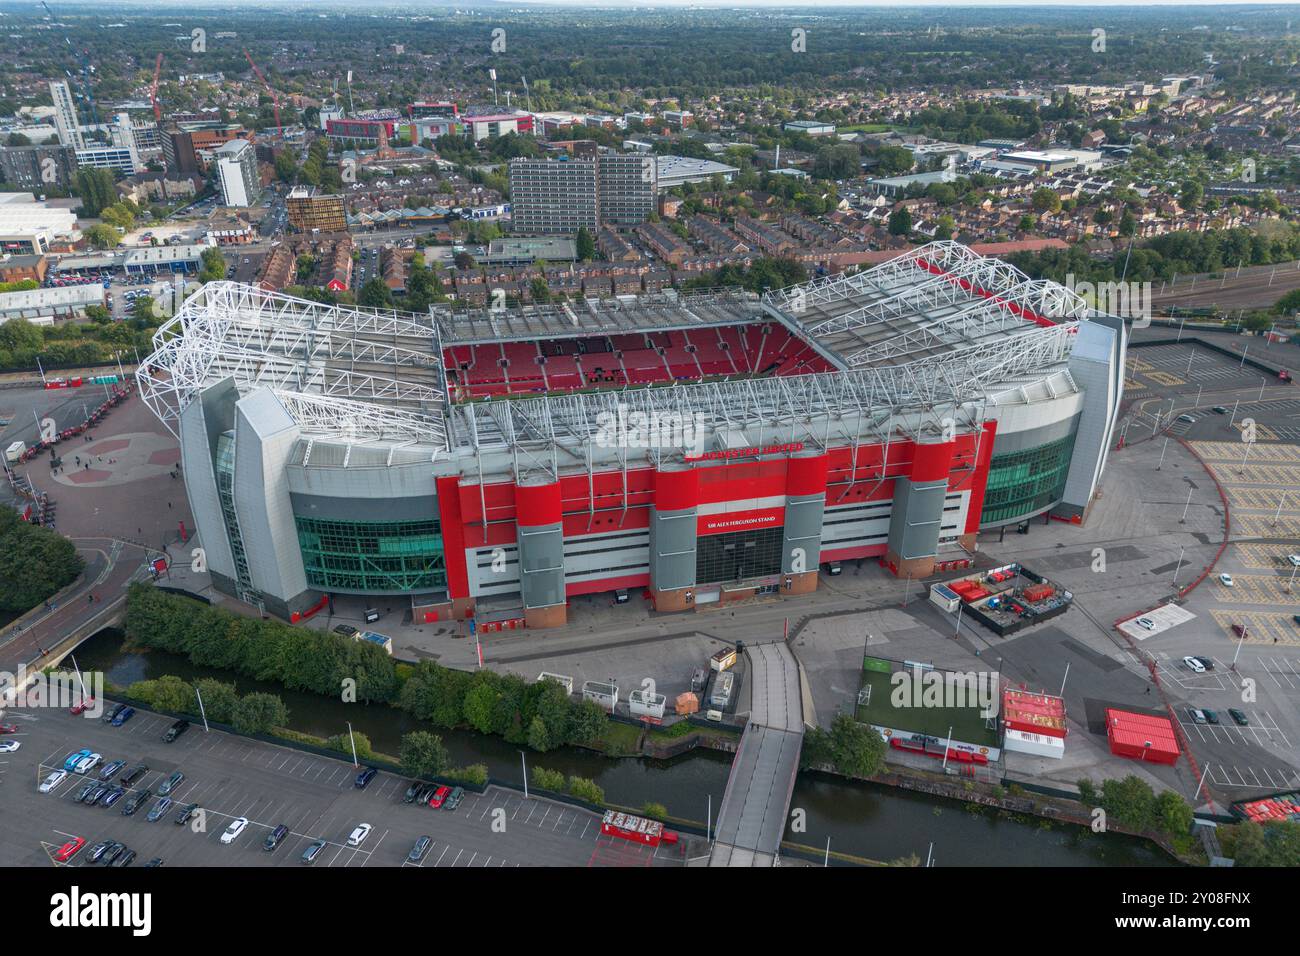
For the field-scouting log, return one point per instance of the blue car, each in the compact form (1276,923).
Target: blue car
(73,759)
(126,714)
(365,776)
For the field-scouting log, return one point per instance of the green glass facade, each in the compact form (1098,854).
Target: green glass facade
(1024,482)
(225,472)
(373,557)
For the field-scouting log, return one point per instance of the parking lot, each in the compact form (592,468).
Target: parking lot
(314,796)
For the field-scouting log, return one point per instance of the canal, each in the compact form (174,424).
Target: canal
(864,820)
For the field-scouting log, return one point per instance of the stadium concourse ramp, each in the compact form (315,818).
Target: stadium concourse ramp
(752,818)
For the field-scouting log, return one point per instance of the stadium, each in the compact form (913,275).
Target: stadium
(703,447)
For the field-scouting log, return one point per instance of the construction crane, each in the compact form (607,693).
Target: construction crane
(275,99)
(86,91)
(153,91)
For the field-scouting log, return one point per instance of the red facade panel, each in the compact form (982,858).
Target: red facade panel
(538,505)
(677,490)
(806,475)
(453,540)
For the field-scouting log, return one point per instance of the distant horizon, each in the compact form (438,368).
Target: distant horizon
(734,5)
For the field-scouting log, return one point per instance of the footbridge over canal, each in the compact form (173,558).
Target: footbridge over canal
(756,803)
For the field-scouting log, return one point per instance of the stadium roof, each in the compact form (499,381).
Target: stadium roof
(928,338)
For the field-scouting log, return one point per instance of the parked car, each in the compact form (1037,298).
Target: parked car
(175,730)
(1211,716)
(1194,665)
(96,794)
(88,763)
(1146,622)
(8,728)
(9,746)
(236,827)
(1197,716)
(359,834)
(109,769)
(135,773)
(156,861)
(170,784)
(96,852)
(85,791)
(1205,662)
(126,859)
(111,796)
(125,715)
(412,791)
(111,714)
(439,797)
(365,776)
(135,802)
(73,759)
(70,849)
(309,855)
(1239,717)
(111,853)
(454,798)
(275,838)
(420,848)
(1294,559)
(1219,410)
(52,781)
(161,807)
(1225,579)
(186,812)
(1239,630)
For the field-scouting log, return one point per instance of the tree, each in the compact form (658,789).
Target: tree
(423,754)
(856,749)
(480,704)
(1045,200)
(375,295)
(102,236)
(259,714)
(35,562)
(1288,303)
(1189,196)
(213,265)
(219,699)
(900,222)
(586,246)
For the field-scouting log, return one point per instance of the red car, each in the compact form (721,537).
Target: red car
(8,728)
(439,797)
(70,849)
(81,705)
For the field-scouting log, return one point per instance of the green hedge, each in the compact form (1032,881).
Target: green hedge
(540,715)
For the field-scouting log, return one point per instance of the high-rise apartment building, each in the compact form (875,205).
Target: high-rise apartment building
(237,172)
(625,188)
(548,196)
(65,115)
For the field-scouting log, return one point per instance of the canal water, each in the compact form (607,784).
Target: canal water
(865,820)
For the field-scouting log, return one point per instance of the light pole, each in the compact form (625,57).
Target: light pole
(523,759)
(1233,420)
(353,741)
(946,747)
(202,710)
(1163,449)
(1179,567)
(1183,519)
(1277,514)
